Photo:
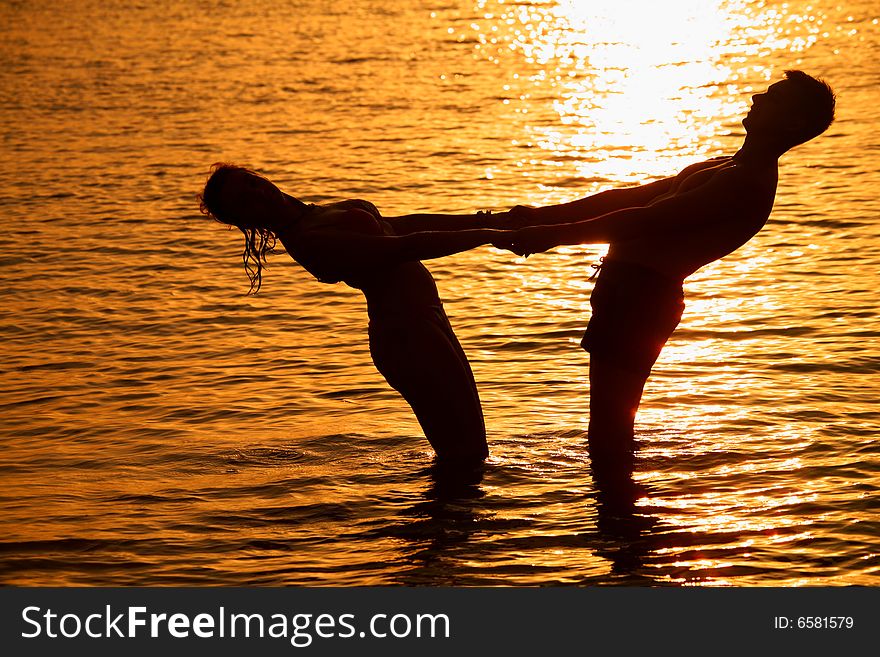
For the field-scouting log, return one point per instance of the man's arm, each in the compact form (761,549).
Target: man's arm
(716,200)
(591,206)
(607,201)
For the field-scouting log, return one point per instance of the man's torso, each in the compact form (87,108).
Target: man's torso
(725,225)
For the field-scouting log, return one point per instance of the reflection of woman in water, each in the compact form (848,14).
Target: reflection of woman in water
(411,342)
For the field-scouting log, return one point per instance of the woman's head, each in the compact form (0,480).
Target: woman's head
(239,197)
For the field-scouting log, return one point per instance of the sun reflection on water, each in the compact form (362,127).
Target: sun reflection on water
(623,66)
(623,91)
(160,419)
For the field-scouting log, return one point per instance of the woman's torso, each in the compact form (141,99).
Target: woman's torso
(679,254)
(392,288)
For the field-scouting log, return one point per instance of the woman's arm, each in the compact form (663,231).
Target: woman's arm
(419,223)
(429,222)
(438,244)
(352,254)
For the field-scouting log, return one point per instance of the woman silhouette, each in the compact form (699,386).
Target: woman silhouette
(411,341)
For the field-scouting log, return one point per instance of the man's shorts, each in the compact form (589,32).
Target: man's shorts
(635,310)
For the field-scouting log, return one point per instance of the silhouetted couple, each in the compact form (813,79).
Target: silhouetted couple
(659,234)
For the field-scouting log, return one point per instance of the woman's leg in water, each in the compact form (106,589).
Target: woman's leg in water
(422,359)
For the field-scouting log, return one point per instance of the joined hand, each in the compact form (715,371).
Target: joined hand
(525,241)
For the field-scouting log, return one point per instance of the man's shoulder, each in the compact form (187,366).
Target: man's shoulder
(698,173)
(745,189)
(726,188)
(754,177)
(705,164)
(359,204)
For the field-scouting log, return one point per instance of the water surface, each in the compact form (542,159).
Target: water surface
(160,427)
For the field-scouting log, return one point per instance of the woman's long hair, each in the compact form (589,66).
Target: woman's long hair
(259,241)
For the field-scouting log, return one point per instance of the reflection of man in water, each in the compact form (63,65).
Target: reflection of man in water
(661,233)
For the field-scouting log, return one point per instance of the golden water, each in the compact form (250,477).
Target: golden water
(159,427)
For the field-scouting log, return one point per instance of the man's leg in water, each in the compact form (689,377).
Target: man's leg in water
(615,393)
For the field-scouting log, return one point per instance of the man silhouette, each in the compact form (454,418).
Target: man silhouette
(659,234)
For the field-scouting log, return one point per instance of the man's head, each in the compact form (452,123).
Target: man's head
(791,111)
